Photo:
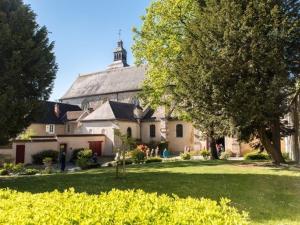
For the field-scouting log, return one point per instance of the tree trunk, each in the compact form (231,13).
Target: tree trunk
(124,162)
(295,147)
(213,148)
(274,152)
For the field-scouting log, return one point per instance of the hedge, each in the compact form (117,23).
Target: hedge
(115,207)
(257,156)
(38,157)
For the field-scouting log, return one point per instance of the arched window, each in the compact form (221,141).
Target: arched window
(179,130)
(152,130)
(129,132)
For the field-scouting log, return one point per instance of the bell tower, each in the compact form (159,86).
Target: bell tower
(120,55)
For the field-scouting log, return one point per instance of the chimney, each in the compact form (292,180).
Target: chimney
(56,110)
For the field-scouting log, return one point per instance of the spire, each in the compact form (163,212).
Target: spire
(120,55)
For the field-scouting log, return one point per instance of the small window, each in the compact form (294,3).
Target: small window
(179,130)
(152,130)
(129,132)
(50,128)
(68,128)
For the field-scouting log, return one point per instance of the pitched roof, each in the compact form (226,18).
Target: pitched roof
(112,111)
(72,115)
(108,81)
(47,115)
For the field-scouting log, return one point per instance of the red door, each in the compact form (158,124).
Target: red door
(20,154)
(96,147)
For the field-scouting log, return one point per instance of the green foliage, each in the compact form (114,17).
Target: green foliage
(47,161)
(225,155)
(115,207)
(26,135)
(185,156)
(27,67)
(138,156)
(153,159)
(74,156)
(255,155)
(18,168)
(8,166)
(84,160)
(4,172)
(39,157)
(205,153)
(229,66)
(86,153)
(286,156)
(30,172)
(195,152)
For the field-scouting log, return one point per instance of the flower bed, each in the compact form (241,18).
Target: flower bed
(115,207)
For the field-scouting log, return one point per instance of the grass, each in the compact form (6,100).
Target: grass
(270,195)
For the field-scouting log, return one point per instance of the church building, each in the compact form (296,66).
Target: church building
(111,98)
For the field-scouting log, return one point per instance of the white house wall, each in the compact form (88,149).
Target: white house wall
(101,127)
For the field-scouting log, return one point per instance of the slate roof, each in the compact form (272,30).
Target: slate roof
(72,115)
(106,82)
(46,113)
(112,111)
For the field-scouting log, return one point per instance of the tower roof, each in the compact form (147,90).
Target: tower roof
(120,56)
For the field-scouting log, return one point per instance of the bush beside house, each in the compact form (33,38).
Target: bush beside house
(39,157)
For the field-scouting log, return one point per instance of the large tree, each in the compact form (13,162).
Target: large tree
(237,60)
(27,67)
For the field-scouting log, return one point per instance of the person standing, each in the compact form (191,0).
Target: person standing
(62,161)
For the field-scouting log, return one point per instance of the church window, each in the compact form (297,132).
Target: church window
(152,130)
(179,130)
(129,132)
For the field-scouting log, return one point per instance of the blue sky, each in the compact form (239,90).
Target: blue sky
(85,33)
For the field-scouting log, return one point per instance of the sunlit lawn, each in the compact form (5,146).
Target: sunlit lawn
(270,195)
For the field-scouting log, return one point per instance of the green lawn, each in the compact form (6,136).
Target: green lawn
(270,195)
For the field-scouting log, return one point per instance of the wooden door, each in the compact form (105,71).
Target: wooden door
(20,154)
(96,147)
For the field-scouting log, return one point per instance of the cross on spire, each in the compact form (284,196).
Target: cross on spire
(120,33)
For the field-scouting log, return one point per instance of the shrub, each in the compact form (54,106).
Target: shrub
(256,156)
(84,160)
(153,159)
(225,155)
(4,172)
(205,153)
(138,156)
(74,156)
(85,153)
(114,207)
(143,148)
(38,158)
(30,172)
(185,156)
(47,161)
(9,167)
(286,155)
(19,168)
(195,153)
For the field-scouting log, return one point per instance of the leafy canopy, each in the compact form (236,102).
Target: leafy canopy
(27,67)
